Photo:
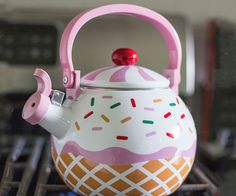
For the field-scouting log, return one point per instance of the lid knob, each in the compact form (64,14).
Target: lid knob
(124,56)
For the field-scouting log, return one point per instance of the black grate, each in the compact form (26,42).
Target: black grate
(27,169)
(49,182)
(19,159)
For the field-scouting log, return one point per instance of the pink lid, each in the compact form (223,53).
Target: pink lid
(125,76)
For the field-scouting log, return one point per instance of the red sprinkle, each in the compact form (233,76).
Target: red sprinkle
(89,114)
(122,137)
(177,100)
(133,102)
(167,114)
(170,135)
(182,116)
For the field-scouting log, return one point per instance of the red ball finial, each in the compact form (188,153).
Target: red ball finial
(124,56)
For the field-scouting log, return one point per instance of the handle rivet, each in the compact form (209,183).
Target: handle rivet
(65,79)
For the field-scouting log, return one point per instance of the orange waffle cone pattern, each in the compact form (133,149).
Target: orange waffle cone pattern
(156,177)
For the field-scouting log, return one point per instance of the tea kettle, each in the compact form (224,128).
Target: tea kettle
(122,129)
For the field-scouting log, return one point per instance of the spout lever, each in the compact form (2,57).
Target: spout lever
(43,81)
(37,105)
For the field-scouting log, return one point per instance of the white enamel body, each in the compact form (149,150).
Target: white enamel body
(96,134)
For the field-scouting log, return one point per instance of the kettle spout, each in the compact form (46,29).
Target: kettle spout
(40,110)
(56,120)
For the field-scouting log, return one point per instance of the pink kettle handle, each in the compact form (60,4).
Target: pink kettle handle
(159,22)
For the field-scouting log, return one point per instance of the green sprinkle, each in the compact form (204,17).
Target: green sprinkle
(148,122)
(172,104)
(92,101)
(115,105)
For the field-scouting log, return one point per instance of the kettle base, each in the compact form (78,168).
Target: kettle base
(155,177)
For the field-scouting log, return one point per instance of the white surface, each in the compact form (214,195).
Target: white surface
(57,121)
(135,130)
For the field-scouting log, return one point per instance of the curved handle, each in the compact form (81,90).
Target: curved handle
(158,21)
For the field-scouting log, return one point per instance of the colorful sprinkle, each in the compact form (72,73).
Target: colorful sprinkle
(126,119)
(115,105)
(172,104)
(182,116)
(190,130)
(97,128)
(77,126)
(107,97)
(148,122)
(167,115)
(149,109)
(122,137)
(92,101)
(105,118)
(89,114)
(170,135)
(133,102)
(151,134)
(177,100)
(157,100)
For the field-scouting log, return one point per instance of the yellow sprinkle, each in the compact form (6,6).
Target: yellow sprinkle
(77,126)
(190,130)
(157,100)
(125,119)
(105,118)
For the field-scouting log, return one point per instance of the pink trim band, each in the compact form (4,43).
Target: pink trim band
(158,21)
(119,76)
(122,156)
(144,75)
(94,74)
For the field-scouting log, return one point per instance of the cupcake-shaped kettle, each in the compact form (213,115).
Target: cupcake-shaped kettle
(122,129)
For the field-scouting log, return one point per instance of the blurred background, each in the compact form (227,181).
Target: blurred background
(30,33)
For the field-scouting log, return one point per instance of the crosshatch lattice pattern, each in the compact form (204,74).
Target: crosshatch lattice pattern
(156,177)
